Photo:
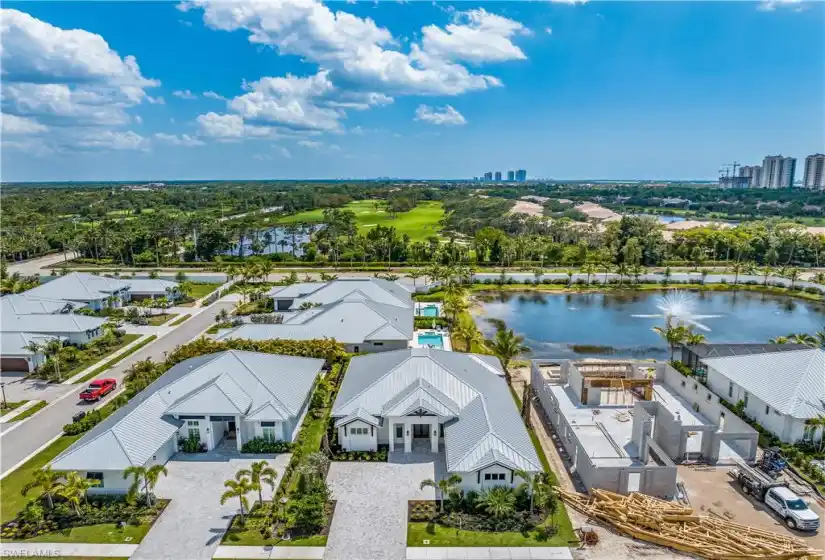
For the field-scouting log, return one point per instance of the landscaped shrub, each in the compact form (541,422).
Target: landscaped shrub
(261,445)
(85,424)
(191,445)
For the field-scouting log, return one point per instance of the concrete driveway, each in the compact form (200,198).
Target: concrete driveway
(194,522)
(370,520)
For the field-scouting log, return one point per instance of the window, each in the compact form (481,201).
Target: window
(268,431)
(96,476)
(746,398)
(359,431)
(441,430)
(494,476)
(730,390)
(378,344)
(194,428)
(767,409)
(399,431)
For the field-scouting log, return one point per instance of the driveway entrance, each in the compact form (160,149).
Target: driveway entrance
(370,520)
(193,524)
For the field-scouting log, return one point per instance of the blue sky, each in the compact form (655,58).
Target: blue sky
(301,89)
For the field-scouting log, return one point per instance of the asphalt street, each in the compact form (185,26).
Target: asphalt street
(18,443)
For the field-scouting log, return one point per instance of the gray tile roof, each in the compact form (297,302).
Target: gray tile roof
(14,344)
(347,321)
(792,383)
(482,423)
(24,304)
(47,324)
(78,286)
(248,381)
(374,289)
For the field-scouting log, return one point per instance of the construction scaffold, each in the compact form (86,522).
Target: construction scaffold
(668,524)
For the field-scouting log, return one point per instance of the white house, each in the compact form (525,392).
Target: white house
(780,390)
(226,398)
(423,400)
(360,325)
(152,288)
(25,304)
(96,292)
(291,297)
(74,329)
(15,353)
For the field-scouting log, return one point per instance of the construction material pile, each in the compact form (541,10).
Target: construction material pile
(672,525)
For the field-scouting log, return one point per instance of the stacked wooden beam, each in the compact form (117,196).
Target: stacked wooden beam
(675,526)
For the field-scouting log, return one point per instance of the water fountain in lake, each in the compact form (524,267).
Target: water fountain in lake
(678,306)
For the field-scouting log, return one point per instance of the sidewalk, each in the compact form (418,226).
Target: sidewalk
(274,552)
(488,553)
(73,379)
(18,410)
(46,550)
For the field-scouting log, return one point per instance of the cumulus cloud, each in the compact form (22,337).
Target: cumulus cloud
(12,124)
(156,100)
(227,126)
(182,140)
(213,95)
(184,94)
(138,119)
(446,115)
(71,80)
(475,36)
(313,144)
(771,5)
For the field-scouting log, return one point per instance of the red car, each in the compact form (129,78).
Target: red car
(98,389)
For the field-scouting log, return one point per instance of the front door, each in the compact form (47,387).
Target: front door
(230,427)
(421,431)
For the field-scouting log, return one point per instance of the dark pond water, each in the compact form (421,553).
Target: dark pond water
(569,325)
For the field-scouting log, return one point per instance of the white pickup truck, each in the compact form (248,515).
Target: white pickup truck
(791,508)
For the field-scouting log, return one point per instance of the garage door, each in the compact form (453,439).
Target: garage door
(14,364)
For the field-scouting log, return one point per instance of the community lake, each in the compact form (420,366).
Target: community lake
(599,324)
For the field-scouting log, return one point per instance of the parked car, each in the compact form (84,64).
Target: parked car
(778,497)
(98,389)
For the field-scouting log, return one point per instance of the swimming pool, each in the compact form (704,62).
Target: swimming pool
(431,340)
(428,311)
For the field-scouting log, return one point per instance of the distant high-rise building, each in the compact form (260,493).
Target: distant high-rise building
(511,175)
(498,175)
(521,175)
(778,172)
(815,171)
(753,173)
(488,176)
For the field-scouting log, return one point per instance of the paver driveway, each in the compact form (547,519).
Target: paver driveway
(370,520)
(194,522)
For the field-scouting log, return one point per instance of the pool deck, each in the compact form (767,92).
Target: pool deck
(445,339)
(420,306)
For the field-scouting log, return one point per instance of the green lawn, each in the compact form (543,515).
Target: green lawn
(180,320)
(113,361)
(437,535)
(126,339)
(200,290)
(104,533)
(419,223)
(250,534)
(29,411)
(157,320)
(10,487)
(8,406)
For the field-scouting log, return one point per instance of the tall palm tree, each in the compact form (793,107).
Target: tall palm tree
(469,335)
(779,340)
(817,423)
(415,275)
(146,477)
(498,502)
(75,489)
(444,487)
(589,269)
(259,473)
(803,338)
(737,268)
(695,338)
(533,480)
(767,270)
(238,489)
(674,335)
(48,481)
(820,337)
(507,345)
(455,306)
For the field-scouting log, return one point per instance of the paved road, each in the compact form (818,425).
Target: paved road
(18,443)
(34,266)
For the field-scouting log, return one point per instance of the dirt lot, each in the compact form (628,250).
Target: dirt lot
(525,207)
(711,489)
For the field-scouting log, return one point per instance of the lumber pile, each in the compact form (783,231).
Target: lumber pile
(675,526)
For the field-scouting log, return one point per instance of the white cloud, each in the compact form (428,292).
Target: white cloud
(475,36)
(228,126)
(182,140)
(771,5)
(109,140)
(279,151)
(184,94)
(138,119)
(64,105)
(548,30)
(213,95)
(156,100)
(284,152)
(12,124)
(313,144)
(446,115)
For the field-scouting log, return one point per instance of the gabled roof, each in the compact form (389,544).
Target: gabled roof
(79,286)
(347,321)
(48,324)
(791,383)
(358,414)
(231,382)
(468,387)
(24,304)
(150,285)
(706,350)
(15,344)
(373,289)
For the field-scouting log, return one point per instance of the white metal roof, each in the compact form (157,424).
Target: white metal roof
(14,344)
(79,286)
(24,304)
(150,285)
(373,289)
(482,423)
(48,324)
(792,383)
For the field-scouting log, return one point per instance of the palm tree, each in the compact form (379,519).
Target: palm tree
(589,269)
(498,502)
(820,337)
(507,345)
(238,489)
(767,270)
(469,335)
(259,473)
(75,489)
(445,487)
(415,275)
(455,306)
(533,480)
(737,268)
(48,481)
(779,340)
(817,423)
(149,477)
(674,335)
(695,338)
(803,338)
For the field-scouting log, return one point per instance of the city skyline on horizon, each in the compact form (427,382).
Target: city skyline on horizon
(594,91)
